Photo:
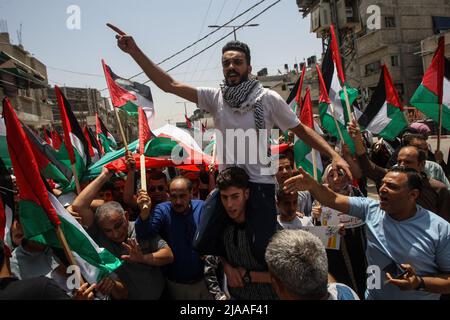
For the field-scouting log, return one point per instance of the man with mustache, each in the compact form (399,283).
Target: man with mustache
(241,108)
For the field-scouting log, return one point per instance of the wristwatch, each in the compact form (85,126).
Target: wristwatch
(247,278)
(421,286)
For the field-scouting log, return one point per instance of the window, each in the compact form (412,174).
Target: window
(400,89)
(373,68)
(395,61)
(389,21)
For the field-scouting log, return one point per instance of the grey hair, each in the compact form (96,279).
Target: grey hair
(107,209)
(298,259)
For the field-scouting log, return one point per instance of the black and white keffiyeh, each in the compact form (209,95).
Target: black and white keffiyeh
(246,97)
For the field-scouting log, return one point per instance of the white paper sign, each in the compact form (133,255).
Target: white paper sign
(329,235)
(331,217)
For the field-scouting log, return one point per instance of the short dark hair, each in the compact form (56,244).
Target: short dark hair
(107,186)
(238,46)
(408,138)
(232,177)
(282,195)
(157,175)
(415,180)
(422,156)
(188,182)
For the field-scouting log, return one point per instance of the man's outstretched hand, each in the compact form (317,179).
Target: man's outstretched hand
(125,42)
(302,181)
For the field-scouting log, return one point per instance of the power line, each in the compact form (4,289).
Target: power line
(201,39)
(76,72)
(240,27)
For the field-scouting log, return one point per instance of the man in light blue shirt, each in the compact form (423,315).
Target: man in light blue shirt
(399,233)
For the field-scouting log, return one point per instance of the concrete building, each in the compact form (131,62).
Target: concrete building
(23,79)
(376,32)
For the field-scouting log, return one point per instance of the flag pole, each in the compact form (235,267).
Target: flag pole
(122,132)
(438,148)
(143,176)
(314,164)
(75,176)
(62,239)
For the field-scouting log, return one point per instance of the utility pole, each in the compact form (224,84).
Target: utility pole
(234,27)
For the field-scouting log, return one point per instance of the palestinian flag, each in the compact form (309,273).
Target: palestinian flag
(105,138)
(47,159)
(94,152)
(303,154)
(6,205)
(40,212)
(75,143)
(435,88)
(128,95)
(56,139)
(295,97)
(48,137)
(333,86)
(4,156)
(384,113)
(328,119)
(145,134)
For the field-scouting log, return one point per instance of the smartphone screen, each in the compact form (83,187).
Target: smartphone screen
(395,270)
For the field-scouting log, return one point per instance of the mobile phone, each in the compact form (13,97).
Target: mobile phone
(395,270)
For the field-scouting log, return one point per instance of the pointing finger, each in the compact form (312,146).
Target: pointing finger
(120,32)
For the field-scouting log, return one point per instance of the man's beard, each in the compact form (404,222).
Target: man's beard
(243,78)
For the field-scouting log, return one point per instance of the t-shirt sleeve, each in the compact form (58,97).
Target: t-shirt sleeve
(283,116)
(359,207)
(208,99)
(160,242)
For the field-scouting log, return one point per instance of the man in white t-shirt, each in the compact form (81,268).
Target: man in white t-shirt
(242,109)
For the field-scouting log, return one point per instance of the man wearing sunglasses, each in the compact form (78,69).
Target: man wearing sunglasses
(156,185)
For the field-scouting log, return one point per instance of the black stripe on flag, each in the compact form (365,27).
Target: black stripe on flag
(6,183)
(328,67)
(131,86)
(376,102)
(447,69)
(294,90)
(76,129)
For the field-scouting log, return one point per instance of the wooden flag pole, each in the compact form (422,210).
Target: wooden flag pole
(122,132)
(314,164)
(143,176)
(336,122)
(75,176)
(438,148)
(66,248)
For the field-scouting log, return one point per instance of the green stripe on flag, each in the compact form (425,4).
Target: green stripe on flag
(329,124)
(427,102)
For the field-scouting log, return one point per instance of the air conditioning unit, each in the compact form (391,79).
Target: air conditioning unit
(347,13)
(321,17)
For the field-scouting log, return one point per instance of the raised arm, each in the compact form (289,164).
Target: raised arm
(161,78)
(82,203)
(328,198)
(128,190)
(370,169)
(314,140)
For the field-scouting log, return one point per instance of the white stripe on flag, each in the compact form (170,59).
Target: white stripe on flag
(380,121)
(335,97)
(88,271)
(78,145)
(446,93)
